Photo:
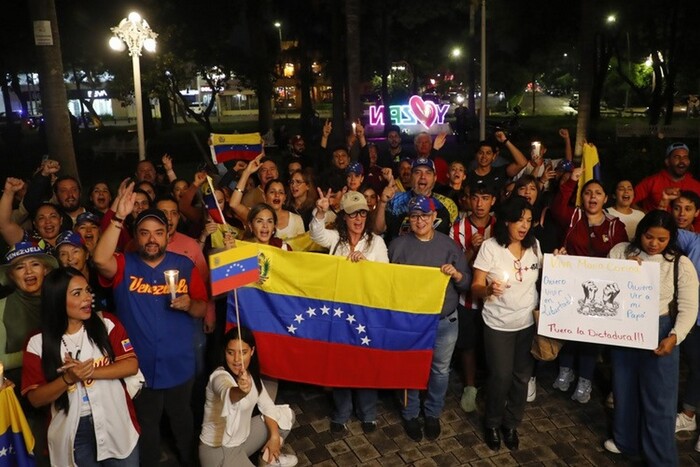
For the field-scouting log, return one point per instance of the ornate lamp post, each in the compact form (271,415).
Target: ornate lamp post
(135,34)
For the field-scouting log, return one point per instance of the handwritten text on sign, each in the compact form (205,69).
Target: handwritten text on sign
(599,300)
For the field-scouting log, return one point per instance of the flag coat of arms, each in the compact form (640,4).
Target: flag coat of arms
(322,319)
(233,268)
(225,148)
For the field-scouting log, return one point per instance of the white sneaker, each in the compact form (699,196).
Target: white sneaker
(685,423)
(610,446)
(532,389)
(284,460)
(565,378)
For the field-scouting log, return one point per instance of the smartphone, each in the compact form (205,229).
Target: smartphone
(535,150)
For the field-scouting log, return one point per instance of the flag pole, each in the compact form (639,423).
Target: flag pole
(238,322)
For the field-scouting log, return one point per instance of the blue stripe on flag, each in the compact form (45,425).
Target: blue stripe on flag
(232,269)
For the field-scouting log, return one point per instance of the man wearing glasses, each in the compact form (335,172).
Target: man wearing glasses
(424,246)
(392,210)
(648,192)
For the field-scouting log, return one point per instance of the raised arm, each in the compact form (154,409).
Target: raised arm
(568,152)
(168,166)
(235,202)
(11,232)
(519,159)
(103,256)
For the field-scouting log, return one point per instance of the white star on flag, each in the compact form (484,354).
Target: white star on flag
(291,329)
(311,312)
(3,452)
(298,318)
(350,319)
(366,340)
(338,312)
(360,328)
(325,310)
(238,266)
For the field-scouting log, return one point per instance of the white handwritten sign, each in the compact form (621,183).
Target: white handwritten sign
(599,300)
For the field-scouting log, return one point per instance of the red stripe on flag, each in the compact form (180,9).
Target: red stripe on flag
(302,360)
(233,282)
(225,156)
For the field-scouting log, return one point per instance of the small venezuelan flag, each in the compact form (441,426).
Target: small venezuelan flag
(244,147)
(210,202)
(233,268)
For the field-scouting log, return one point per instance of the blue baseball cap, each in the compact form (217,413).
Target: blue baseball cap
(423,162)
(87,216)
(70,238)
(355,168)
(424,204)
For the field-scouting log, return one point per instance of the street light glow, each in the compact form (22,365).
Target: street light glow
(278,24)
(611,19)
(134,33)
(456,52)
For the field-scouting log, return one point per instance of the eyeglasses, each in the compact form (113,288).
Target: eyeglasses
(518,270)
(424,217)
(362,213)
(296,182)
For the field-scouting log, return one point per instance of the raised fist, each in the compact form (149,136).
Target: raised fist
(610,292)
(589,291)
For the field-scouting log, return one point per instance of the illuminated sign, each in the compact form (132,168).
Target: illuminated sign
(427,113)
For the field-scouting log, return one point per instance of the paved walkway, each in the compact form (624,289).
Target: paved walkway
(556,432)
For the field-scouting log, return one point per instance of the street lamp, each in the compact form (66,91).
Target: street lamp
(285,102)
(456,52)
(135,34)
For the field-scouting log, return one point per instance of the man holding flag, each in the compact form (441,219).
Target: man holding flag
(424,246)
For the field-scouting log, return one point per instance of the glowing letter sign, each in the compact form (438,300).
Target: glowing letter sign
(427,113)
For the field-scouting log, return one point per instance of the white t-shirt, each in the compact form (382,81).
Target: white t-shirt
(295,227)
(512,311)
(630,220)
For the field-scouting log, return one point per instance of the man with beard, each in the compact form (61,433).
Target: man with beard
(160,328)
(67,192)
(648,193)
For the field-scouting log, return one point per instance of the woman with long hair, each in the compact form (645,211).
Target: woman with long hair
(506,271)
(75,364)
(590,231)
(230,433)
(288,224)
(352,238)
(621,207)
(302,195)
(645,382)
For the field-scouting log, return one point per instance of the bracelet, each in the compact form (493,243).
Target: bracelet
(63,377)
(505,142)
(117,224)
(117,218)
(239,190)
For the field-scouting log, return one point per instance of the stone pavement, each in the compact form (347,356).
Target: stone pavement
(556,431)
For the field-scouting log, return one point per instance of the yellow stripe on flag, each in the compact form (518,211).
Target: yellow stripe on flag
(243,138)
(589,160)
(412,289)
(12,417)
(245,250)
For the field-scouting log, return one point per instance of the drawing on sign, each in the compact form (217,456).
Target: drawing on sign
(606,306)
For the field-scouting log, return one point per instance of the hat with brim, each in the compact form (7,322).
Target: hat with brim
(87,216)
(422,204)
(352,202)
(70,238)
(23,250)
(152,213)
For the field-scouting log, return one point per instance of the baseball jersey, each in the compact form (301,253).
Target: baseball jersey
(116,428)
(162,336)
(462,232)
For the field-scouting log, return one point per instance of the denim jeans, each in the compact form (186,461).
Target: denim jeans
(365,404)
(645,388)
(445,340)
(85,448)
(691,349)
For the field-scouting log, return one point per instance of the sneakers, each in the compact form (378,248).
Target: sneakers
(685,423)
(532,389)
(369,427)
(565,378)
(284,460)
(582,393)
(432,428)
(413,429)
(468,400)
(610,446)
(338,428)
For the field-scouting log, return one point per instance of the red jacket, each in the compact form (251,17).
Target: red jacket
(647,193)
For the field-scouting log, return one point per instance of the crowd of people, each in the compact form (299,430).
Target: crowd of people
(107,324)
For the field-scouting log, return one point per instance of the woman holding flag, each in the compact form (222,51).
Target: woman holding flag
(230,432)
(353,239)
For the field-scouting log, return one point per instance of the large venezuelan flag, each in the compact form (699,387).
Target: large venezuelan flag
(16,439)
(245,147)
(324,320)
(590,163)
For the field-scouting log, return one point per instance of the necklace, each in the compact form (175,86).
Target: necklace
(77,347)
